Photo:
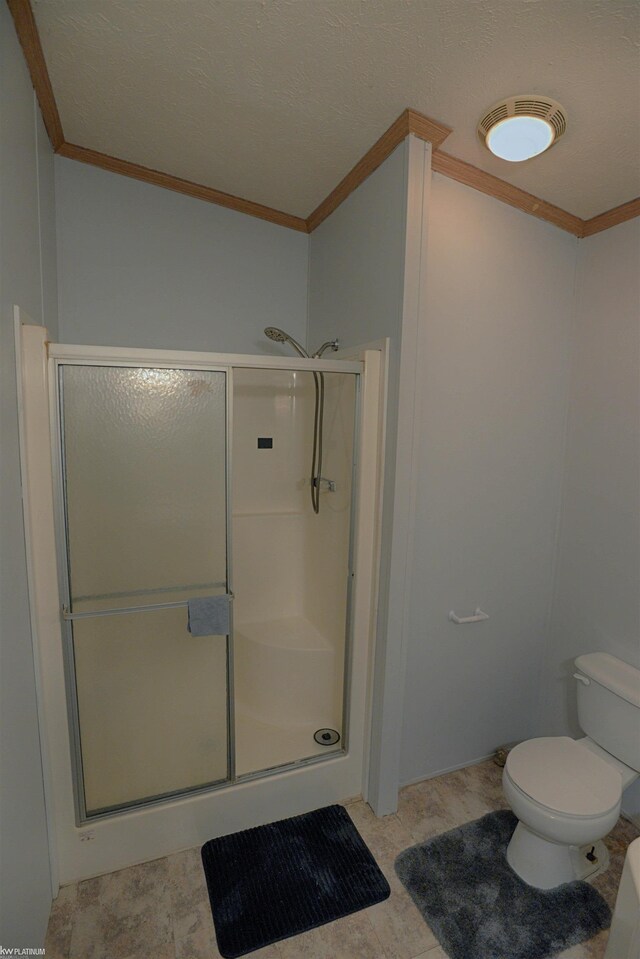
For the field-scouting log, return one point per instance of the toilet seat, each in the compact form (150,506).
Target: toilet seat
(564,777)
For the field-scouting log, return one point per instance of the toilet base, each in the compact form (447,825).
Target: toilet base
(537,861)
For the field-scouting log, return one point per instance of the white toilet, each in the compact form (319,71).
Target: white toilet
(567,792)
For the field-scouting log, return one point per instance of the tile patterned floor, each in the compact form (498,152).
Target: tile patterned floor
(160,910)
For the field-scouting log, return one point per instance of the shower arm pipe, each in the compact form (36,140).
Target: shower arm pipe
(329,344)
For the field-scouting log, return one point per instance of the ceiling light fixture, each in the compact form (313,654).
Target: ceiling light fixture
(519,128)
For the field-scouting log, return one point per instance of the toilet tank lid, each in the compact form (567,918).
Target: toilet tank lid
(621,678)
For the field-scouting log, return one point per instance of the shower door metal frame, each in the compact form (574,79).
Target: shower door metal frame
(61,355)
(68,616)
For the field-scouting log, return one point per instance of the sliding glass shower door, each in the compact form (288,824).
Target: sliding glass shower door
(144,471)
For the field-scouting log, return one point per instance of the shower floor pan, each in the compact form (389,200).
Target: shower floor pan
(263,746)
(288,682)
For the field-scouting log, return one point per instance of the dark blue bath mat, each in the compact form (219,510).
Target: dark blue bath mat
(276,881)
(479,909)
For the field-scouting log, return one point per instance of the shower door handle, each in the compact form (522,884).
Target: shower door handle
(69,617)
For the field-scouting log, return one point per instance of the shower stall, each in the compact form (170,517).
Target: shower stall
(175,477)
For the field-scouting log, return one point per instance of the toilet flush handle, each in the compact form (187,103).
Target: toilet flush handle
(582,679)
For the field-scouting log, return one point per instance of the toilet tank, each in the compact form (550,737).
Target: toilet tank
(609,705)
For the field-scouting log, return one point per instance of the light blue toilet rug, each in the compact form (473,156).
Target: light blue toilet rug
(480,909)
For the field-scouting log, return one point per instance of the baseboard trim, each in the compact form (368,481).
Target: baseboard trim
(448,769)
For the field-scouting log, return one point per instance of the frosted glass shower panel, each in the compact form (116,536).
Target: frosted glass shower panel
(145,484)
(152,707)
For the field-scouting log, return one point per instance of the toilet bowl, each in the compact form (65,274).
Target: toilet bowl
(563,796)
(565,792)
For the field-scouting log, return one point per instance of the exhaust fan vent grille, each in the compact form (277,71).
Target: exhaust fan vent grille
(494,116)
(533,108)
(559,122)
(530,105)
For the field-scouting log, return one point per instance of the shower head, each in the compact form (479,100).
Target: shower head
(279,336)
(275,334)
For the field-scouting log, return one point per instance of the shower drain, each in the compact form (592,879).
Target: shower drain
(326,737)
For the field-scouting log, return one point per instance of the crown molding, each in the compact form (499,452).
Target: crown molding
(409,122)
(472,176)
(32,48)
(619,214)
(188,187)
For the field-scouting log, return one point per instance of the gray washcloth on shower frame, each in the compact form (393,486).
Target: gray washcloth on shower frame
(209,616)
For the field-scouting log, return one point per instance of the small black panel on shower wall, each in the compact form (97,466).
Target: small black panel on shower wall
(265,442)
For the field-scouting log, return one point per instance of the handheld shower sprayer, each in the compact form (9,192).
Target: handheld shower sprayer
(279,336)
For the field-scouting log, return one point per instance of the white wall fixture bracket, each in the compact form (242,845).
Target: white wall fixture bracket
(477,617)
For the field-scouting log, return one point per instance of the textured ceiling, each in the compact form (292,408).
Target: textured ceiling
(275,100)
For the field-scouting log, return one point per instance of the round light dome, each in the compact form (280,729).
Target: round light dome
(519,128)
(520,138)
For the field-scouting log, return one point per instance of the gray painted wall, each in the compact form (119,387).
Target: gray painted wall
(141,266)
(596,604)
(28,279)
(356,268)
(492,401)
